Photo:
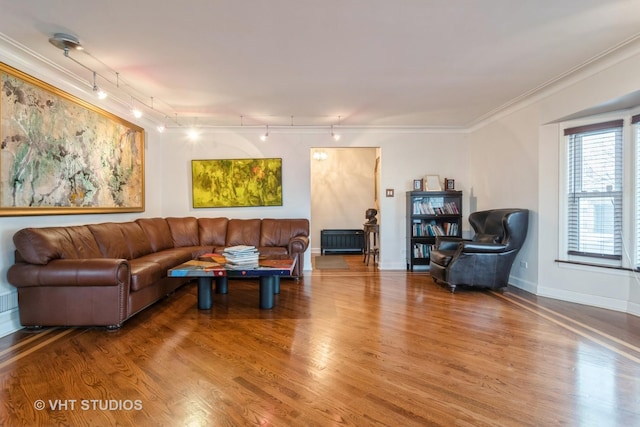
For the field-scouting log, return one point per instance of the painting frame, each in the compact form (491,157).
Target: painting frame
(61,155)
(232,183)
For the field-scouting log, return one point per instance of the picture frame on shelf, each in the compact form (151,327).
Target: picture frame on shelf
(432,183)
(417,184)
(449,184)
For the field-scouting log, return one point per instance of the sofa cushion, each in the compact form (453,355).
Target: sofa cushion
(278,232)
(136,238)
(158,233)
(243,232)
(112,243)
(487,238)
(144,273)
(212,231)
(41,245)
(169,258)
(184,231)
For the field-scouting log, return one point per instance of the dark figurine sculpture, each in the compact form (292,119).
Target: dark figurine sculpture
(371,216)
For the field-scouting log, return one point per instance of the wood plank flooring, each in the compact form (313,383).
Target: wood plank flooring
(356,347)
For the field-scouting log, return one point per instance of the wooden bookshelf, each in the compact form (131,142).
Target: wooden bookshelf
(430,214)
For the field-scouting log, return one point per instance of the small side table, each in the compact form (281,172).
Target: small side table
(371,237)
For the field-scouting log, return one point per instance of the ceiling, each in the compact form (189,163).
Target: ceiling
(431,63)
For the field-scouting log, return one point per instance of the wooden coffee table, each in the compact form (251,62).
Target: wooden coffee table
(269,271)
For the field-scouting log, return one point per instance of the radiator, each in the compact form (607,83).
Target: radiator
(341,241)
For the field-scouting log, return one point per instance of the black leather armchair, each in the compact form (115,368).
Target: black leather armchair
(486,260)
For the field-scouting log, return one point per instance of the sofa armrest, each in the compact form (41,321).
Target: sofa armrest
(298,244)
(71,272)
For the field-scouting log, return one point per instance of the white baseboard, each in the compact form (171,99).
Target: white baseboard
(9,322)
(634,309)
(524,285)
(592,300)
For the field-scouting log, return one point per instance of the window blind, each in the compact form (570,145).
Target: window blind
(594,190)
(635,120)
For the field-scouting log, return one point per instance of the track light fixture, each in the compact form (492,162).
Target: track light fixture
(99,92)
(265,136)
(137,113)
(335,136)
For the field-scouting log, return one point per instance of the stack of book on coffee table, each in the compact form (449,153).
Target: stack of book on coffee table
(241,257)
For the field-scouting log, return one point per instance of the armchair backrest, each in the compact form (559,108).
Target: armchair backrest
(506,226)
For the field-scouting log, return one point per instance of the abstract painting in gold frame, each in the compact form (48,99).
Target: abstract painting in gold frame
(62,155)
(236,182)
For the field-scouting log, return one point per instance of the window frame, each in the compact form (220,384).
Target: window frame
(630,227)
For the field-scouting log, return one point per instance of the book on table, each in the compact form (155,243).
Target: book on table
(241,256)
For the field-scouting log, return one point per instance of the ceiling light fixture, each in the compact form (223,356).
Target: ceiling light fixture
(65,41)
(320,155)
(265,136)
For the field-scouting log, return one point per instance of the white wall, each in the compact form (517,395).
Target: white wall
(504,172)
(525,172)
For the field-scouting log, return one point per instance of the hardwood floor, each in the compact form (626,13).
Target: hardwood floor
(352,347)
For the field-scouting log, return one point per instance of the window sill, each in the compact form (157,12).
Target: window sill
(590,264)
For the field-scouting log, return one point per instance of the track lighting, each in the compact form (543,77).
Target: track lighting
(335,136)
(137,113)
(99,92)
(193,134)
(265,136)
(163,125)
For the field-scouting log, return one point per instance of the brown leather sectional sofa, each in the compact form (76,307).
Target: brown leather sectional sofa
(102,274)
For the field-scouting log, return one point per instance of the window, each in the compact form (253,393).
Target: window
(594,190)
(636,121)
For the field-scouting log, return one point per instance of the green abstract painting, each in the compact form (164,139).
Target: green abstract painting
(236,182)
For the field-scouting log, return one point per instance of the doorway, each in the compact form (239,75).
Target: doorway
(344,184)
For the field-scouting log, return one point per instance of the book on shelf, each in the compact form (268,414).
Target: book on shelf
(421,250)
(427,207)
